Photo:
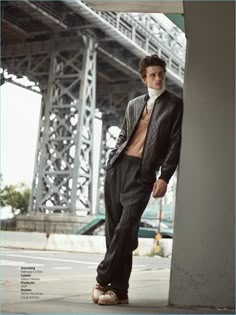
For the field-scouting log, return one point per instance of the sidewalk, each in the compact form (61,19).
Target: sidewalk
(71,294)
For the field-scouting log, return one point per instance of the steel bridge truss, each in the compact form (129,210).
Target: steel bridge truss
(63,171)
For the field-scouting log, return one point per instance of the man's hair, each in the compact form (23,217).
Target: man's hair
(152,60)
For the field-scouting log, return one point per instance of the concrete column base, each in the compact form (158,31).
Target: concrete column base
(56,223)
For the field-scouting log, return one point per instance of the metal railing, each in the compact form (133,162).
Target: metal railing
(150,35)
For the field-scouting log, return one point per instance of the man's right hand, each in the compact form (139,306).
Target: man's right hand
(159,188)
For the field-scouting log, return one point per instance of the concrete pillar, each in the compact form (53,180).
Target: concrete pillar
(203,250)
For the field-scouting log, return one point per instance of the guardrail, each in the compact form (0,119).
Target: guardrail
(152,37)
(140,36)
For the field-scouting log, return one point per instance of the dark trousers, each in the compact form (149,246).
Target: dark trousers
(126,197)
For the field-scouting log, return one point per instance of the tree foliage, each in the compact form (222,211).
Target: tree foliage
(16,197)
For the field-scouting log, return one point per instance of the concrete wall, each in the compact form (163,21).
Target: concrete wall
(52,223)
(74,243)
(203,249)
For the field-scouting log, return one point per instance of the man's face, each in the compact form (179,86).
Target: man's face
(155,77)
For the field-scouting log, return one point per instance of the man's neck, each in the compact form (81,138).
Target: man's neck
(155,93)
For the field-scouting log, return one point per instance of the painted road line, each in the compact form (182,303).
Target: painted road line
(25,251)
(61,268)
(52,259)
(12,263)
(134,266)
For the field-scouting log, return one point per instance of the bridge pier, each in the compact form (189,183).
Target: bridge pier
(63,169)
(205,204)
(66,74)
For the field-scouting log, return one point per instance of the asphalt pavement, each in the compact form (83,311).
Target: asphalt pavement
(44,282)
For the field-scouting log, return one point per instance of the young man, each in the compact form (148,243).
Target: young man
(149,140)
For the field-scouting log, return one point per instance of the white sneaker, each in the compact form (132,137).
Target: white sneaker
(98,290)
(110,298)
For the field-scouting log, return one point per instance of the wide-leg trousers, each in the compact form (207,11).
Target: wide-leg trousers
(126,196)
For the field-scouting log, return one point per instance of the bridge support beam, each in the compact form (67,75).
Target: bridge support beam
(63,168)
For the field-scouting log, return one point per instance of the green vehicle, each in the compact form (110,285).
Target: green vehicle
(148,229)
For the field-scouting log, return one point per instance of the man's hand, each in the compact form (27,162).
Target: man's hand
(159,188)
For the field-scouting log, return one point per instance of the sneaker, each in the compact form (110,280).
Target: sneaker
(110,298)
(98,290)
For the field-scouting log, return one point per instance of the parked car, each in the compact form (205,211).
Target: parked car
(150,228)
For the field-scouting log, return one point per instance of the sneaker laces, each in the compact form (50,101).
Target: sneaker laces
(111,293)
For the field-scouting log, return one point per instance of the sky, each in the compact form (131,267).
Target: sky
(20,109)
(20,113)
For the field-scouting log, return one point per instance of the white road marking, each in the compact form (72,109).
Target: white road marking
(61,268)
(64,260)
(52,259)
(25,251)
(18,263)
(134,267)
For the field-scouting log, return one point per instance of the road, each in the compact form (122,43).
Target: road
(54,262)
(48,282)
(55,282)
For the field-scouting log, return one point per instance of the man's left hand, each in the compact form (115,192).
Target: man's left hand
(159,188)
